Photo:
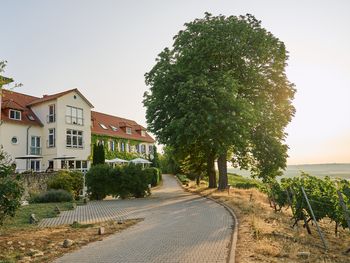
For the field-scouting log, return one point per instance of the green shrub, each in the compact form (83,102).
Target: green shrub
(183,178)
(99,181)
(52,196)
(71,181)
(77,182)
(11,188)
(125,181)
(134,180)
(153,175)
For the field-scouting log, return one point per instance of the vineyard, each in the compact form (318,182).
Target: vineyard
(311,200)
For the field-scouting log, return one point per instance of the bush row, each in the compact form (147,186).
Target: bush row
(70,181)
(126,181)
(51,196)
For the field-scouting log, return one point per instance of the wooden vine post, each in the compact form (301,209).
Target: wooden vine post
(314,218)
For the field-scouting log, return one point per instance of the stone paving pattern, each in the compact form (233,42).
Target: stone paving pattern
(178,227)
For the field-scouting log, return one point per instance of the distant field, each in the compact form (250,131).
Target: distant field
(322,170)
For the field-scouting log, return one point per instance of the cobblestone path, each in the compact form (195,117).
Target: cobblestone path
(178,227)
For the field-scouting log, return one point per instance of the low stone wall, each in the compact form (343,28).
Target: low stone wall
(35,182)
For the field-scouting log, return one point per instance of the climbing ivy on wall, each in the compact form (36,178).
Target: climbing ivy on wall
(109,154)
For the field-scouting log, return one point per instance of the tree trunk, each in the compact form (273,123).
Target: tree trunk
(211,170)
(222,166)
(197,179)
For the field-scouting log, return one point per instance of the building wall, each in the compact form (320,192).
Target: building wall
(10,130)
(42,112)
(73,99)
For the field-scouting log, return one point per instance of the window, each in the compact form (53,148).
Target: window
(103,126)
(15,115)
(150,149)
(35,145)
(128,130)
(122,146)
(143,148)
(137,148)
(14,140)
(74,115)
(52,138)
(74,139)
(113,128)
(143,133)
(129,147)
(112,146)
(35,165)
(52,114)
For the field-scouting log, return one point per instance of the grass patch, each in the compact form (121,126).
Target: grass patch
(239,181)
(43,210)
(183,179)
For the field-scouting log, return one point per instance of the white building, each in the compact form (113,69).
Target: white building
(55,131)
(54,127)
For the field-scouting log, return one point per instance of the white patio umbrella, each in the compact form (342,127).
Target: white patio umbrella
(140,160)
(116,160)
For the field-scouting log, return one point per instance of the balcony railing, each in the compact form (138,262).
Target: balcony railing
(35,150)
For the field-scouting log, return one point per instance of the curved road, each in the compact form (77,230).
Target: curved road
(178,227)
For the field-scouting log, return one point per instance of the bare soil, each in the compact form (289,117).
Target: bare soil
(267,236)
(26,245)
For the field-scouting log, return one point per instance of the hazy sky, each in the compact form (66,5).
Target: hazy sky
(105,47)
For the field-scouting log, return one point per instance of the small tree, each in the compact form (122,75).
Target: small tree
(98,154)
(155,160)
(11,189)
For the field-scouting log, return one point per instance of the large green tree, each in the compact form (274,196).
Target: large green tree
(222,89)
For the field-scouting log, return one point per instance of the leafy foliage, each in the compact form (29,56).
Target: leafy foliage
(125,181)
(223,88)
(52,196)
(11,189)
(322,195)
(98,156)
(71,181)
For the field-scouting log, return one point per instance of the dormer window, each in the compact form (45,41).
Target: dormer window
(128,130)
(113,128)
(143,133)
(15,115)
(103,126)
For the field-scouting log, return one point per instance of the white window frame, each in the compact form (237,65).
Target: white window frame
(112,146)
(35,165)
(15,117)
(74,139)
(72,115)
(36,147)
(128,130)
(143,133)
(51,117)
(52,134)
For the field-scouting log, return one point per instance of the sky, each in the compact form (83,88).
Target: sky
(105,47)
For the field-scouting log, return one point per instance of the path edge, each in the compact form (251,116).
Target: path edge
(234,236)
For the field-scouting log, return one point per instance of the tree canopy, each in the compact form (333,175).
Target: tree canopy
(222,89)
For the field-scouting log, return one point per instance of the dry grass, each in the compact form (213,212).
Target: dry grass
(267,236)
(17,246)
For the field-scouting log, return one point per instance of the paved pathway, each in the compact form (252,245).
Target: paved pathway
(178,227)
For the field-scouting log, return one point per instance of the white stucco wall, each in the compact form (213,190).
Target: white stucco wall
(62,126)
(9,130)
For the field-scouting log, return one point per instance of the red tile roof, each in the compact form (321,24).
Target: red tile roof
(98,118)
(57,95)
(18,101)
